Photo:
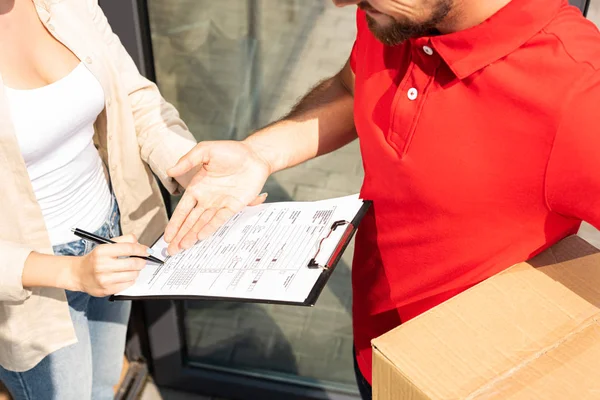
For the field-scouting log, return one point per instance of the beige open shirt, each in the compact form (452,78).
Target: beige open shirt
(136,132)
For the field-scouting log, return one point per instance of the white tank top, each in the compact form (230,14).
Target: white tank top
(54,128)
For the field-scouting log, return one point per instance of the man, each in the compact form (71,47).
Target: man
(477,126)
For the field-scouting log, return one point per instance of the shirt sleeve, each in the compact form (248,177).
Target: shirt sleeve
(162,136)
(573,173)
(11,270)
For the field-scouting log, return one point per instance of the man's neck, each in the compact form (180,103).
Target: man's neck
(469,13)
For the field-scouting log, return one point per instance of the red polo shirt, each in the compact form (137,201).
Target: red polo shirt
(481,148)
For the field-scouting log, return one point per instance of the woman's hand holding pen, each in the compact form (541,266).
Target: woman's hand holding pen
(109,268)
(106,270)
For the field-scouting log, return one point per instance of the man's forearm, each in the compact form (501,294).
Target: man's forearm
(321,122)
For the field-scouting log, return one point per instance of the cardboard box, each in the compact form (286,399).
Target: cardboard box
(530,332)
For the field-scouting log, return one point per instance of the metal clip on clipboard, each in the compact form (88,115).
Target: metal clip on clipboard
(342,241)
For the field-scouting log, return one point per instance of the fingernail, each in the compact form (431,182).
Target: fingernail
(150,251)
(265,194)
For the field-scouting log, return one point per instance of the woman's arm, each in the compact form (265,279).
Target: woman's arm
(107,270)
(163,137)
(22,268)
(44,270)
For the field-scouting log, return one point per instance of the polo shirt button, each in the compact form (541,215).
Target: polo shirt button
(88,60)
(412,94)
(428,50)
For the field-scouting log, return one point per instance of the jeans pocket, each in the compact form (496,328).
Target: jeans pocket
(89,246)
(111,228)
(114,221)
(76,248)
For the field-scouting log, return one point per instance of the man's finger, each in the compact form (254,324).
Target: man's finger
(230,207)
(259,199)
(206,230)
(197,156)
(192,237)
(189,223)
(183,209)
(219,219)
(173,248)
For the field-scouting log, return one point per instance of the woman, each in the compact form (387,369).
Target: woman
(80,134)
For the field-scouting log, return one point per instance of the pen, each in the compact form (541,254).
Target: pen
(101,240)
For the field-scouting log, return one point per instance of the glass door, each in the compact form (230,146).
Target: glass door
(231,66)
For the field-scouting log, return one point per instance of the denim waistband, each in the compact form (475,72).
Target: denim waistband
(110,228)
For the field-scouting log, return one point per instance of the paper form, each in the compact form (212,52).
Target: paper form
(260,253)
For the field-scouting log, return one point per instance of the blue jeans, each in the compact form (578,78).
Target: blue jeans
(90,368)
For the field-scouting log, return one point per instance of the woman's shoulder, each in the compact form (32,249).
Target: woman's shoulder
(78,5)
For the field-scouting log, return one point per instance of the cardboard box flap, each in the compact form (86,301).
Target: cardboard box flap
(566,371)
(494,329)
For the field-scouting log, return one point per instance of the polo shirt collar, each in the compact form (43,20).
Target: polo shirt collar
(470,50)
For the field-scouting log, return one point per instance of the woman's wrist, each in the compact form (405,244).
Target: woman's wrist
(43,270)
(67,277)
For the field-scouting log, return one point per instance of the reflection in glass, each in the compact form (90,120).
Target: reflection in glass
(231,66)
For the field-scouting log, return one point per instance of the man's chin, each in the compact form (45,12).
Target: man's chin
(386,32)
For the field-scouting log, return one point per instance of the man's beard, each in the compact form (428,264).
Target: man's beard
(397,32)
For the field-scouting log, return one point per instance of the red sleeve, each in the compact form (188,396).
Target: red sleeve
(573,174)
(357,49)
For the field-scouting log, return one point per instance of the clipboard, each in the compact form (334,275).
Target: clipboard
(327,256)
(348,230)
